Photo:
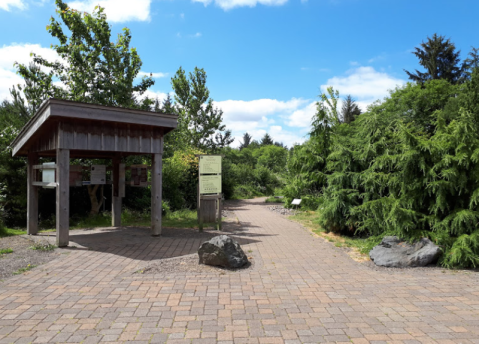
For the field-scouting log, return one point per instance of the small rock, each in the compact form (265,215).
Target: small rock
(222,251)
(397,253)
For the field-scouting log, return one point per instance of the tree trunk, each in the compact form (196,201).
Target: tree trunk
(95,204)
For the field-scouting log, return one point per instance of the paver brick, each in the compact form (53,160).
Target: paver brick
(301,289)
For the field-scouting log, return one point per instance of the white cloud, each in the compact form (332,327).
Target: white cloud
(154,95)
(229,4)
(7,5)
(365,84)
(117,10)
(153,75)
(261,116)
(302,117)
(255,110)
(9,54)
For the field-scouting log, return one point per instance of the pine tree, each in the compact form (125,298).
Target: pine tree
(247,138)
(439,57)
(349,110)
(266,140)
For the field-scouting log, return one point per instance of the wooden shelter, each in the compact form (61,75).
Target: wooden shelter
(65,130)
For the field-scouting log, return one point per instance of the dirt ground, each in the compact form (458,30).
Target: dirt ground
(22,256)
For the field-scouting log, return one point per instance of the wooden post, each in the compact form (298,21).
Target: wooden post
(198,210)
(32,196)
(218,217)
(156,190)
(63,196)
(116,197)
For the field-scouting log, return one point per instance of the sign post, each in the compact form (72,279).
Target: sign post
(209,190)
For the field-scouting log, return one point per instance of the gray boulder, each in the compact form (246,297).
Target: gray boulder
(397,253)
(222,251)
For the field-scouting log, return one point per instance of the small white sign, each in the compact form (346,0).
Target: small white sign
(296,201)
(48,175)
(98,174)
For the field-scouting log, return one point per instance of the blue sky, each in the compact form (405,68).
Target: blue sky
(266,60)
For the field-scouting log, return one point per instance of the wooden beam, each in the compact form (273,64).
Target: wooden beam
(32,195)
(63,197)
(45,184)
(44,167)
(116,196)
(156,190)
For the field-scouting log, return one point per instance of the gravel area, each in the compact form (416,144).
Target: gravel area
(282,210)
(22,255)
(189,264)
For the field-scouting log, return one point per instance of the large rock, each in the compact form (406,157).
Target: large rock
(222,251)
(397,253)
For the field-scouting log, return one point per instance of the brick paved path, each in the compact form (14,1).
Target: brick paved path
(301,290)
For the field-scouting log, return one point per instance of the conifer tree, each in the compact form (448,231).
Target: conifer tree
(266,140)
(350,110)
(438,56)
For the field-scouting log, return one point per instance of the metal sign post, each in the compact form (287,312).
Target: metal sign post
(209,190)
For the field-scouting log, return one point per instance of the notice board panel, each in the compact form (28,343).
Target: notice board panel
(210,184)
(210,164)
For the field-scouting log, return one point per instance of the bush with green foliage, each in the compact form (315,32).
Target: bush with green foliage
(244,176)
(408,167)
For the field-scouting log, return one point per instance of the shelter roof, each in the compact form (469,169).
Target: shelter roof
(90,127)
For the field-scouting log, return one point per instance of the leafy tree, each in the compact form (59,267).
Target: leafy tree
(350,110)
(247,138)
(198,120)
(439,57)
(13,171)
(272,157)
(92,69)
(266,140)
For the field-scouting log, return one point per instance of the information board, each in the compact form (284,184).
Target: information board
(210,184)
(139,175)
(98,174)
(210,164)
(76,175)
(48,175)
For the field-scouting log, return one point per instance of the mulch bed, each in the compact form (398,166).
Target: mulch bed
(22,255)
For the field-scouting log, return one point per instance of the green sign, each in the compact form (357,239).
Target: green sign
(210,164)
(210,184)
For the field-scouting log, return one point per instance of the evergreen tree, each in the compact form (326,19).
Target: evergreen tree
(168,106)
(439,57)
(350,110)
(247,138)
(472,61)
(266,140)
(223,140)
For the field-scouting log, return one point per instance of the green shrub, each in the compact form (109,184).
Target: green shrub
(407,167)
(180,179)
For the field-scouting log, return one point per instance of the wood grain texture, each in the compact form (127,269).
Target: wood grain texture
(116,197)
(32,195)
(63,197)
(92,127)
(156,190)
